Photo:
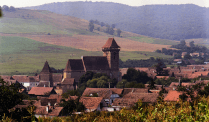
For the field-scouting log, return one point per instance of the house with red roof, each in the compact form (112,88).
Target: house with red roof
(41,91)
(108,94)
(93,103)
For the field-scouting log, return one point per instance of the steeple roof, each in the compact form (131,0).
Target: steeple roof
(111,43)
(74,64)
(46,68)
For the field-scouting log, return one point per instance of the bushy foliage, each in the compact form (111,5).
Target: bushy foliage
(95,80)
(162,111)
(133,79)
(70,93)
(9,97)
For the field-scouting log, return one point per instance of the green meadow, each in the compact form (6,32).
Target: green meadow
(153,40)
(19,55)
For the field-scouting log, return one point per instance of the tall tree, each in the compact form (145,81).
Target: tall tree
(91,26)
(118,32)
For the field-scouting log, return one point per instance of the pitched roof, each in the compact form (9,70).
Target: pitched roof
(135,90)
(45,101)
(183,84)
(124,102)
(74,65)
(55,96)
(40,90)
(111,43)
(46,68)
(53,111)
(21,78)
(95,63)
(91,103)
(159,77)
(5,77)
(172,96)
(102,92)
(145,97)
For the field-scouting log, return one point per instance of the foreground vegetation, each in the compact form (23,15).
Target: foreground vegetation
(162,111)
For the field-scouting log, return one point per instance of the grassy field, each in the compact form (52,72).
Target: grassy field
(153,40)
(19,55)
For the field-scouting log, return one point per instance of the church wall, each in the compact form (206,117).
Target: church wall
(77,75)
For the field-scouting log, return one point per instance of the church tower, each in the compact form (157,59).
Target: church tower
(111,51)
(46,74)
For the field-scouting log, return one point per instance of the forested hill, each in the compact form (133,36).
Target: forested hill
(174,22)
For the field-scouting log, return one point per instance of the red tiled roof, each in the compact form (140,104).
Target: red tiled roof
(40,90)
(172,96)
(124,102)
(91,103)
(21,78)
(159,77)
(135,90)
(131,98)
(41,110)
(74,65)
(111,43)
(183,84)
(102,92)
(6,77)
(46,68)
(145,97)
(95,63)
(177,60)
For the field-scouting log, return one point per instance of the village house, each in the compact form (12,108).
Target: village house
(41,91)
(108,94)
(93,103)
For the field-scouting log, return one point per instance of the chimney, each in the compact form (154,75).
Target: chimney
(179,82)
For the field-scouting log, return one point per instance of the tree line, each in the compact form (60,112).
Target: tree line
(109,29)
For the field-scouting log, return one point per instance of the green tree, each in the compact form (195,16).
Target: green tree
(70,93)
(182,43)
(91,26)
(68,107)
(118,32)
(92,83)
(187,56)
(121,84)
(9,96)
(191,44)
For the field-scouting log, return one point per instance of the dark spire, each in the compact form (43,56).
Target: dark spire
(111,43)
(46,68)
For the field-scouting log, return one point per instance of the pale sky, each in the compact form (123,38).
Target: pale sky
(25,3)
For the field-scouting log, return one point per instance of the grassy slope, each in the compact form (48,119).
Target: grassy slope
(23,55)
(23,51)
(44,22)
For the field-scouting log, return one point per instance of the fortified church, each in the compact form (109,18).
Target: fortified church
(75,68)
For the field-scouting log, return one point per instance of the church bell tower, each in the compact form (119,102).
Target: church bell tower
(111,51)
